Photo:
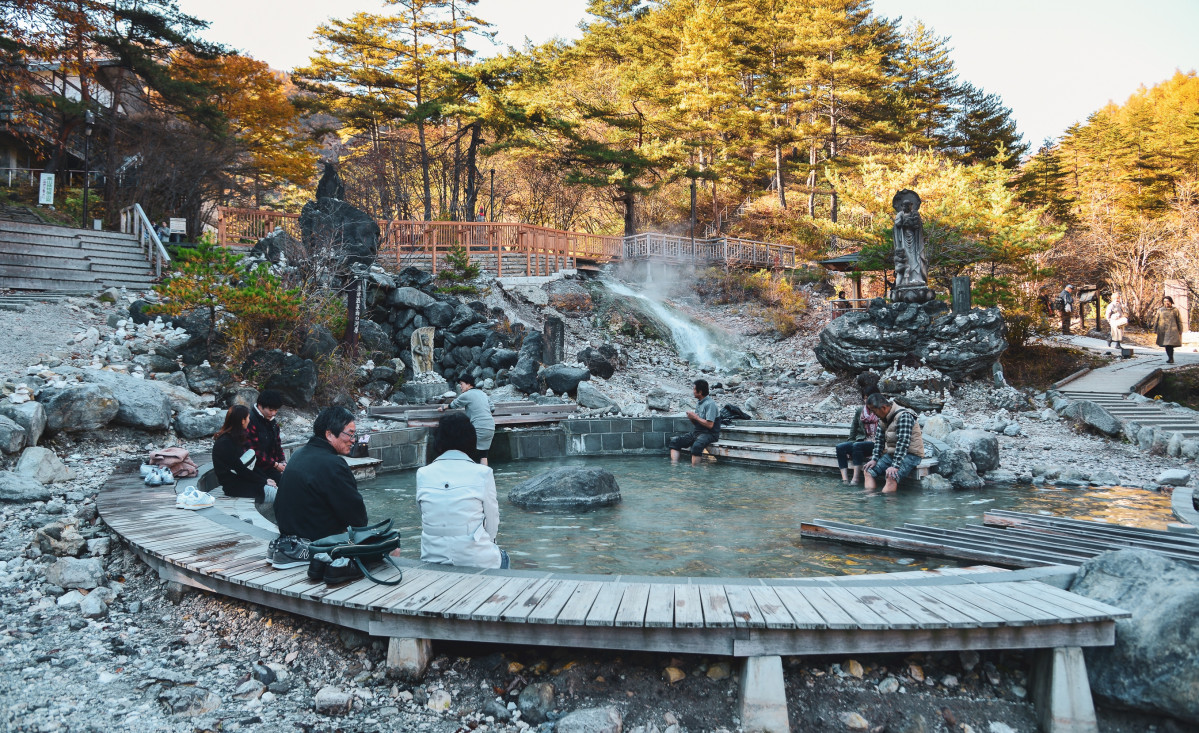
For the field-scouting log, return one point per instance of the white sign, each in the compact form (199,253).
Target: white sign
(45,194)
(178,226)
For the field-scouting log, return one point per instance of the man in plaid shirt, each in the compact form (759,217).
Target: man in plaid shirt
(898,446)
(263,434)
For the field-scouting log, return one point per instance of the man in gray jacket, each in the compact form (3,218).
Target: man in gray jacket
(478,409)
(1066,298)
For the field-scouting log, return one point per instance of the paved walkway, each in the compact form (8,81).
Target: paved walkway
(1119,378)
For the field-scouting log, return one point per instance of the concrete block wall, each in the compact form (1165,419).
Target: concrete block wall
(399,449)
(622,435)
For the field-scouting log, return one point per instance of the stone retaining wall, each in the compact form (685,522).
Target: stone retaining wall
(399,449)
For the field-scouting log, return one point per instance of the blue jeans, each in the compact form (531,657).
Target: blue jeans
(860,450)
(906,465)
(505,561)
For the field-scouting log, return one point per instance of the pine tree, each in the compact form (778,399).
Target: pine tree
(983,130)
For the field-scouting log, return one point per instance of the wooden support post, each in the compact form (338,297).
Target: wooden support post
(1062,692)
(762,699)
(431,247)
(408,658)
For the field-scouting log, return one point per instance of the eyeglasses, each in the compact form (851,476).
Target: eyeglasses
(351,436)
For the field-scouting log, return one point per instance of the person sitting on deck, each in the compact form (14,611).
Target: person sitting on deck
(861,439)
(233,460)
(478,409)
(898,444)
(318,495)
(459,512)
(264,435)
(705,432)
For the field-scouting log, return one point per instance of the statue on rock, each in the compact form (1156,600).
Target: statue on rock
(422,350)
(329,226)
(911,261)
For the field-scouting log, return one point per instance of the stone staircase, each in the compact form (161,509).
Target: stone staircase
(63,259)
(793,445)
(1145,413)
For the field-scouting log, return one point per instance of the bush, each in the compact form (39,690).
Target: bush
(458,276)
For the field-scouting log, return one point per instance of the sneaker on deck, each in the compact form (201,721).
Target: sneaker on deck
(291,552)
(193,499)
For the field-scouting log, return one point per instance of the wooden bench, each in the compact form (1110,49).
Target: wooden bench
(505,413)
(757,619)
(799,456)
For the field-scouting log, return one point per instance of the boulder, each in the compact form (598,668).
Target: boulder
(17,488)
(81,408)
(464,316)
(59,540)
(536,702)
(569,487)
(601,362)
(293,376)
(590,397)
(502,359)
(563,379)
(348,233)
(439,315)
(136,313)
(238,395)
(72,572)
(12,436)
(318,343)
(206,379)
(408,297)
(1154,665)
(956,345)
(935,482)
(955,465)
(376,340)
(523,375)
(41,465)
(29,415)
(1094,417)
(195,424)
(936,427)
(142,403)
(591,720)
(473,335)
(273,246)
(154,363)
(414,277)
(983,447)
(1001,476)
(658,399)
(1174,477)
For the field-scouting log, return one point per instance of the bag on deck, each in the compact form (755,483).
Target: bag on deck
(177,460)
(363,545)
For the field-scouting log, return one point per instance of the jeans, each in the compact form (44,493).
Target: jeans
(906,465)
(860,450)
(696,441)
(505,561)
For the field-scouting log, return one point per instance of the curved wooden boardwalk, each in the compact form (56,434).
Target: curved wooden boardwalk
(745,617)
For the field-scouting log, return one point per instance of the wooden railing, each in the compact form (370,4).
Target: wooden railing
(515,248)
(134,221)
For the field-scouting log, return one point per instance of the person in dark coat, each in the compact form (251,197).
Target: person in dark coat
(264,435)
(1168,326)
(861,440)
(234,461)
(318,495)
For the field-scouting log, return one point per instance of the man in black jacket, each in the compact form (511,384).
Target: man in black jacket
(318,495)
(263,435)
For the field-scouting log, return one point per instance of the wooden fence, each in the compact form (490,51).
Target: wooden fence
(514,249)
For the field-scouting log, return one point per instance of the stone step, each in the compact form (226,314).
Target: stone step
(810,435)
(794,456)
(38,262)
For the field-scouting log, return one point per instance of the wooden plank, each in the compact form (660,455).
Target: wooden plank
(506,595)
(606,605)
(891,603)
(827,609)
(659,608)
(551,605)
(410,604)
(449,596)
(524,603)
(774,611)
(633,603)
(862,613)
(574,612)
(743,606)
(688,609)
(414,580)
(465,606)
(287,576)
(956,613)
(1083,604)
(1000,603)
(997,518)
(716,607)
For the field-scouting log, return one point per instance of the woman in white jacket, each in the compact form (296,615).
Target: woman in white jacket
(460,515)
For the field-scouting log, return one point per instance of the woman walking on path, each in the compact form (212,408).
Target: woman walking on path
(1168,325)
(1117,318)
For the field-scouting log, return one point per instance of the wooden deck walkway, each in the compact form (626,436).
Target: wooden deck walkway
(1012,539)
(743,617)
(795,445)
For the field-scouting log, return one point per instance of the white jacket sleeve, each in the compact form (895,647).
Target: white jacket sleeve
(491,506)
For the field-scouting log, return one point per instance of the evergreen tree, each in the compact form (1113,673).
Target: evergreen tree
(983,130)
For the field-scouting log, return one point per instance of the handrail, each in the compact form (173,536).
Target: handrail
(134,221)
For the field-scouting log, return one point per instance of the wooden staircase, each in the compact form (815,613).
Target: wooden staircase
(54,258)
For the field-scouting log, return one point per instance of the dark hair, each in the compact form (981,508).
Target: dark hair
(867,391)
(840,293)
(867,381)
(331,420)
(467,378)
(878,399)
(1166,297)
(270,398)
(454,432)
(234,417)
(702,386)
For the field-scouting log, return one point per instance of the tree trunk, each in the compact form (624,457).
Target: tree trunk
(472,181)
(778,175)
(629,199)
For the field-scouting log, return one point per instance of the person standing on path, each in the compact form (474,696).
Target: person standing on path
(478,409)
(1168,325)
(1117,318)
(1066,298)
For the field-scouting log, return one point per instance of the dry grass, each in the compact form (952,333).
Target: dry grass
(1039,366)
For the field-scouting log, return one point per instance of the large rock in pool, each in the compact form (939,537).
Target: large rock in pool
(956,345)
(1154,665)
(982,446)
(1094,416)
(571,487)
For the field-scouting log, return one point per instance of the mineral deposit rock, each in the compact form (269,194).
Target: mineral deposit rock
(523,376)
(874,339)
(29,415)
(573,487)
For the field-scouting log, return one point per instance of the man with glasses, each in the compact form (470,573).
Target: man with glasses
(318,495)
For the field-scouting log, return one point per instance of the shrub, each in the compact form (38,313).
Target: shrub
(458,275)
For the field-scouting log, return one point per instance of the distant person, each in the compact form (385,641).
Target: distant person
(459,512)
(1066,303)
(264,434)
(478,409)
(1116,316)
(318,495)
(704,432)
(841,304)
(163,231)
(1168,325)
(233,460)
(861,440)
(898,444)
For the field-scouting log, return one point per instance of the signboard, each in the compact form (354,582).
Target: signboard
(45,194)
(178,226)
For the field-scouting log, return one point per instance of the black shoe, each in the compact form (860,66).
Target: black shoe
(291,552)
(342,570)
(318,565)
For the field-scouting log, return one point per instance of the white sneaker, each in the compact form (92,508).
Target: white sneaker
(165,476)
(147,469)
(193,498)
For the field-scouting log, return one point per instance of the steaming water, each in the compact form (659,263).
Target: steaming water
(694,341)
(730,520)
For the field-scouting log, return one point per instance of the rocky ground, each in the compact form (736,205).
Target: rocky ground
(131,655)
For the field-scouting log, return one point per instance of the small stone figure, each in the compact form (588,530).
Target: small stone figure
(911,262)
(422,350)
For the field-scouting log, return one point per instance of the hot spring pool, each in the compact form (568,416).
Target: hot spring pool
(730,520)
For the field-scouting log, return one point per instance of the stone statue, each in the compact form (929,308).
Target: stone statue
(911,261)
(422,350)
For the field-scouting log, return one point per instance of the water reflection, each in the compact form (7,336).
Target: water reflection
(729,520)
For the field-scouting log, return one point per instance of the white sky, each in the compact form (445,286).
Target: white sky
(1053,61)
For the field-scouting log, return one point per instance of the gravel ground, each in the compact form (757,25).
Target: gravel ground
(157,660)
